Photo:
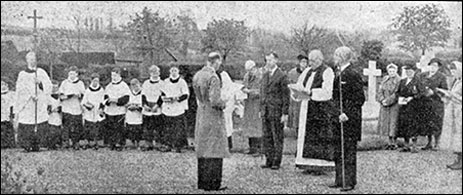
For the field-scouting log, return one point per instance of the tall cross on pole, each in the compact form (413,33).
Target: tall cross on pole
(35,17)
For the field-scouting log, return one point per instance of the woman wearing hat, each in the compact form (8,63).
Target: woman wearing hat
(408,107)
(387,97)
(432,108)
(451,130)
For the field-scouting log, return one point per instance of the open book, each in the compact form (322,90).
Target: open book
(298,92)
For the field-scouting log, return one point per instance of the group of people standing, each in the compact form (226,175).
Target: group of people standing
(422,104)
(149,114)
(330,114)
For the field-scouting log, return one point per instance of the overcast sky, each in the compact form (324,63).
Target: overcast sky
(279,16)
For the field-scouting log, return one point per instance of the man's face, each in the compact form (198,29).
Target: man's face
(314,61)
(72,75)
(217,64)
(337,59)
(115,77)
(303,63)
(31,62)
(410,73)
(271,61)
(174,72)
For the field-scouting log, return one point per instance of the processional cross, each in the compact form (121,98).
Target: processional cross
(35,17)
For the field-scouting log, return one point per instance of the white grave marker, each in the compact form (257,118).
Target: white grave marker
(372,73)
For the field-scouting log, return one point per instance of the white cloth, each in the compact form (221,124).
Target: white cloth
(94,98)
(230,93)
(175,90)
(116,91)
(303,116)
(134,117)
(152,92)
(7,103)
(55,118)
(343,67)
(24,107)
(72,105)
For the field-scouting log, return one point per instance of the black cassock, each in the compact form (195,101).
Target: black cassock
(353,98)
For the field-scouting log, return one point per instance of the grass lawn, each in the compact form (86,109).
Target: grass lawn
(133,171)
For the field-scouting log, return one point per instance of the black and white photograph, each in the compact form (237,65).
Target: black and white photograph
(231,97)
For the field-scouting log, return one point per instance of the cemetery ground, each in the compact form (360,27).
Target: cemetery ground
(133,171)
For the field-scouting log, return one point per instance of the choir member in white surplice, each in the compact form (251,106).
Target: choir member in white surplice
(93,107)
(55,120)
(28,81)
(175,103)
(134,117)
(71,92)
(315,151)
(116,97)
(152,116)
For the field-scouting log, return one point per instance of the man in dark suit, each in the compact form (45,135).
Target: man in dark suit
(348,91)
(273,111)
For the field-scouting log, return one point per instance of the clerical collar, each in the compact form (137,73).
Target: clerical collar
(4,92)
(117,82)
(299,70)
(94,89)
(154,81)
(136,93)
(343,67)
(174,80)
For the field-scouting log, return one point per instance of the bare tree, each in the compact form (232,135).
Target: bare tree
(307,38)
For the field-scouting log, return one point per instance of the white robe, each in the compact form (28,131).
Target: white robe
(230,93)
(94,98)
(24,107)
(317,95)
(71,105)
(7,103)
(55,118)
(116,91)
(134,117)
(175,90)
(152,92)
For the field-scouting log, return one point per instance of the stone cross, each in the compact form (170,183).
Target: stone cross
(372,73)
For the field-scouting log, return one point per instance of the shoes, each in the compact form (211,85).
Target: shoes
(413,150)
(274,167)
(265,166)
(391,147)
(220,189)
(405,149)
(334,186)
(347,188)
(427,147)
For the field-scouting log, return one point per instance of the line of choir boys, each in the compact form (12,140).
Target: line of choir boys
(150,115)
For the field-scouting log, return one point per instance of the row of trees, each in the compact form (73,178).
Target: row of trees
(152,38)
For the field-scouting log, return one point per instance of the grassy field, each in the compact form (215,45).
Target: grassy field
(133,171)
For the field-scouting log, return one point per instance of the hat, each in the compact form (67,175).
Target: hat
(409,67)
(302,56)
(391,65)
(436,60)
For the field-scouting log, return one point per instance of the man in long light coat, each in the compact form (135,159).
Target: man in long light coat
(210,134)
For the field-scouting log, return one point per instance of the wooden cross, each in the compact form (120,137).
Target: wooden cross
(35,17)
(372,73)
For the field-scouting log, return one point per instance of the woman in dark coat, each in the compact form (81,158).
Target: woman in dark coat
(408,107)
(431,112)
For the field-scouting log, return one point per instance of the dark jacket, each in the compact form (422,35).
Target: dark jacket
(353,98)
(274,94)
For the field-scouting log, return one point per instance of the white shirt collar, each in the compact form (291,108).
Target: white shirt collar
(343,67)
